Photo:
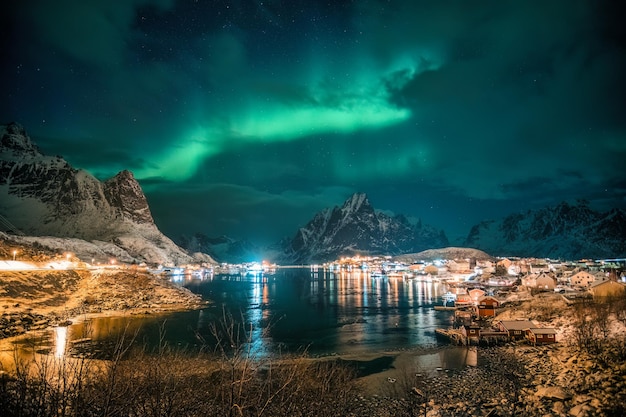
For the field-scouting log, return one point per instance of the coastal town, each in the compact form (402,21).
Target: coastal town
(550,335)
(478,289)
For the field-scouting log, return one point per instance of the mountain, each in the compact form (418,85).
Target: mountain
(453,253)
(68,209)
(223,248)
(356,228)
(564,231)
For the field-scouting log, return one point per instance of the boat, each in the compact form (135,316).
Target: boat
(448,298)
(377,274)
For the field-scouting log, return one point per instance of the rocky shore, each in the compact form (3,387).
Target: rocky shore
(582,375)
(35,300)
(560,380)
(519,380)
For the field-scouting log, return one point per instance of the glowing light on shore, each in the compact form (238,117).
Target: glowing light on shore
(60,341)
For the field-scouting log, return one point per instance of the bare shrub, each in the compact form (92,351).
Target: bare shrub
(135,382)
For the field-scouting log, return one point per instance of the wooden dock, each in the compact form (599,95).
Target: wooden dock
(453,335)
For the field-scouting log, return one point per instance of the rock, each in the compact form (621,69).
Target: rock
(581,410)
(559,408)
(554,393)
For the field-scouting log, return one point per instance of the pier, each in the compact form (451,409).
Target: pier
(453,335)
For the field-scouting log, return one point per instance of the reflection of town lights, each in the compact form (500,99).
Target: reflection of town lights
(60,341)
(14,253)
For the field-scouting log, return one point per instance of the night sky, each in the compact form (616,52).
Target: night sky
(247,117)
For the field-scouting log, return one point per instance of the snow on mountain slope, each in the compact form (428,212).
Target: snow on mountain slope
(356,227)
(563,231)
(44,196)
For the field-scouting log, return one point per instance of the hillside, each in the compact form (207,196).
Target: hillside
(564,231)
(40,289)
(444,253)
(43,196)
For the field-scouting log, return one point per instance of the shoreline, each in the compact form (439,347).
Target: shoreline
(35,301)
(555,380)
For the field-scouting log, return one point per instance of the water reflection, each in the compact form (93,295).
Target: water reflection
(449,358)
(60,341)
(322,311)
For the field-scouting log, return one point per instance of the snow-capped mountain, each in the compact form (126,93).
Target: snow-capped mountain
(565,231)
(45,198)
(356,228)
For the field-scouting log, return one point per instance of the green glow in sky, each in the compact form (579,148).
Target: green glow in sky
(339,112)
(181,162)
(291,124)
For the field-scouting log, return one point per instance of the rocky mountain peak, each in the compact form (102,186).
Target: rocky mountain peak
(42,195)
(13,137)
(566,231)
(357,202)
(124,193)
(356,227)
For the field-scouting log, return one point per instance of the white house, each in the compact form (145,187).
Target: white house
(582,279)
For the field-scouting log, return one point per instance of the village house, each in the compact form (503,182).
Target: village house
(523,266)
(515,267)
(515,328)
(582,279)
(492,335)
(540,335)
(458,265)
(471,332)
(463,317)
(417,267)
(486,306)
(530,280)
(567,271)
(542,281)
(475,294)
(463,300)
(506,263)
(555,266)
(607,288)
(539,266)
(486,266)
(545,282)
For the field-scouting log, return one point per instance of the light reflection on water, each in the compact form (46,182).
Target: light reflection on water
(60,341)
(324,312)
(452,358)
(321,311)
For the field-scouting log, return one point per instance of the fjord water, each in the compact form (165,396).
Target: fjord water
(294,309)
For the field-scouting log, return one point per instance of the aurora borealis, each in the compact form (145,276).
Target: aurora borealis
(246,117)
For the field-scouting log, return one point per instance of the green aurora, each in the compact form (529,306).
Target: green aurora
(246,117)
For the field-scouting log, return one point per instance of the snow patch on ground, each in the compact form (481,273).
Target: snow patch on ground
(15,266)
